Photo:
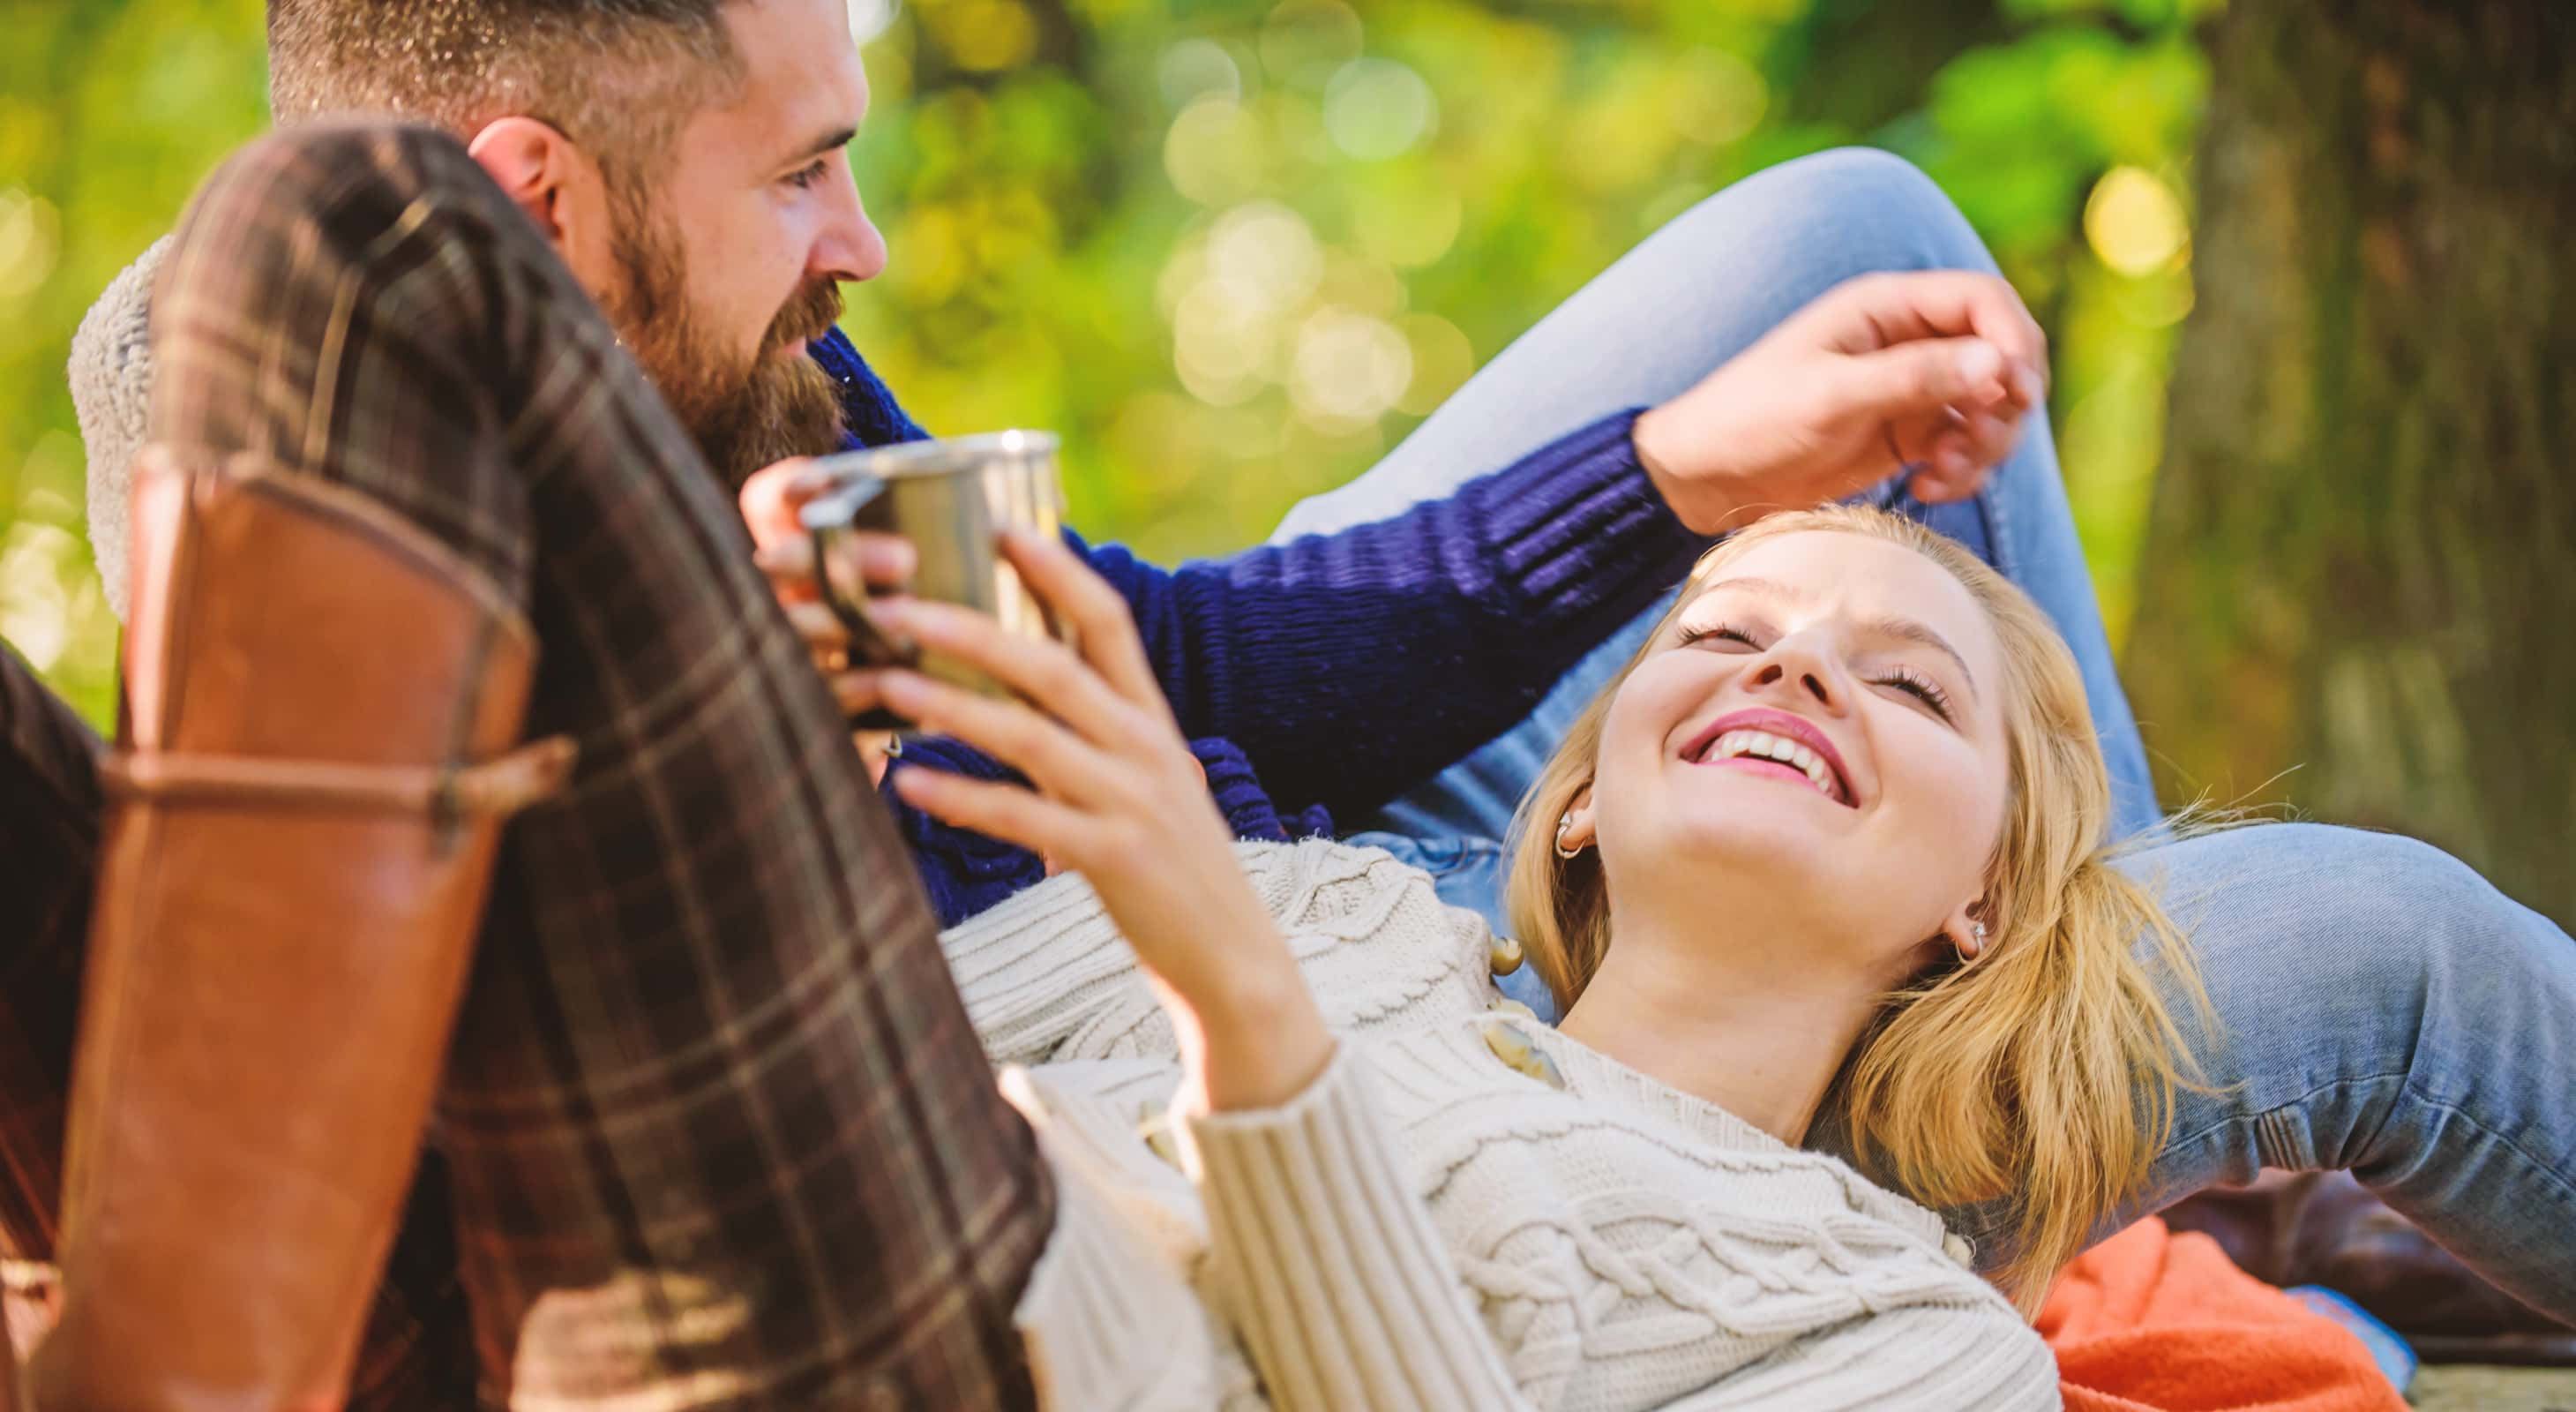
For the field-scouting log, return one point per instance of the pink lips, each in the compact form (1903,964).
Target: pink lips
(1788,727)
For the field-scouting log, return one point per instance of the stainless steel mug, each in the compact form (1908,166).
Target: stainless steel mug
(952,500)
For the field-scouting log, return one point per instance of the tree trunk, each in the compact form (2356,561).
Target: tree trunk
(2360,592)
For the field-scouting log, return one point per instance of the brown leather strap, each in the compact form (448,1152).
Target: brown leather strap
(496,788)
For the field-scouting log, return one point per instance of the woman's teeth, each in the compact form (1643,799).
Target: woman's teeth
(1762,745)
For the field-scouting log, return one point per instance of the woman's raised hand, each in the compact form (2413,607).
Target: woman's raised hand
(1119,799)
(1936,369)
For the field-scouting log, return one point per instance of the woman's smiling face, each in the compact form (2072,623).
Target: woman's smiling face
(1817,734)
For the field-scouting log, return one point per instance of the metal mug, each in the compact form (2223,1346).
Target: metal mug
(952,500)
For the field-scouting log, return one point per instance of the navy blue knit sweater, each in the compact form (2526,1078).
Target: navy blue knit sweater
(1329,675)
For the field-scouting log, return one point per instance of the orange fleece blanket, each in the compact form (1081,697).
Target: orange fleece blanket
(2150,1321)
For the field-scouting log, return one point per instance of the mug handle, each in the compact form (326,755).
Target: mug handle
(827,518)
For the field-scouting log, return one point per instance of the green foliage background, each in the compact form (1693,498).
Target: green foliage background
(1235,249)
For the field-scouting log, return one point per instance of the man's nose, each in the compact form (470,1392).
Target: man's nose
(851,247)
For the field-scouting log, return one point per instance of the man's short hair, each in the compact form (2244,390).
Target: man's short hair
(618,77)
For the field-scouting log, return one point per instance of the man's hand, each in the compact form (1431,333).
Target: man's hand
(770,500)
(1935,369)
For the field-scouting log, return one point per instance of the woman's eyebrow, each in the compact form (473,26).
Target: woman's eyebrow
(1768,588)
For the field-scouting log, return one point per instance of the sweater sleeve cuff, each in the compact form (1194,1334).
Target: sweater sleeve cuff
(1578,525)
(1105,1320)
(1329,1263)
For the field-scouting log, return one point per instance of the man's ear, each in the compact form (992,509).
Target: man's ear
(557,184)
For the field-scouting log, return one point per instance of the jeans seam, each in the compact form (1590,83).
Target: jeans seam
(2566,1189)
(2406,1088)
(1999,544)
(2402,1077)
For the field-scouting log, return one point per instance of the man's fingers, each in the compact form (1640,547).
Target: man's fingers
(881,562)
(1919,377)
(857,691)
(1901,306)
(1991,438)
(1893,309)
(769,500)
(815,623)
(1935,487)
(2029,388)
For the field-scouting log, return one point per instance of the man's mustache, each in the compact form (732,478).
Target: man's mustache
(810,315)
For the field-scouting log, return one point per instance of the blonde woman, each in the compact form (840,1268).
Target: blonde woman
(1829,850)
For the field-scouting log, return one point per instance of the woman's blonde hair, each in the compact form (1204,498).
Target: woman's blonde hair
(2045,1071)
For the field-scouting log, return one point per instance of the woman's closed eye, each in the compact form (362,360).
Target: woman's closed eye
(1920,687)
(1725,636)
(1728,638)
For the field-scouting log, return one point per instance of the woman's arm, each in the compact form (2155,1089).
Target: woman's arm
(1337,1275)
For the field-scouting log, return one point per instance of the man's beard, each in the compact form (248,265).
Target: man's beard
(743,417)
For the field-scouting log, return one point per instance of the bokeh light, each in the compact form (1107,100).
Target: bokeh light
(1199,68)
(1443,360)
(1266,250)
(1304,41)
(2134,221)
(1378,108)
(1716,98)
(1231,296)
(30,242)
(1222,337)
(35,590)
(984,36)
(870,18)
(1349,370)
(1410,225)
(1214,152)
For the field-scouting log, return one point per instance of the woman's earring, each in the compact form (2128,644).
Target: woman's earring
(1563,823)
(1976,942)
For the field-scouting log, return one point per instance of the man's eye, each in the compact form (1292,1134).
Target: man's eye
(805,176)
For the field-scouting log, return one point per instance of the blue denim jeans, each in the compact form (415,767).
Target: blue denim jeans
(2381,1008)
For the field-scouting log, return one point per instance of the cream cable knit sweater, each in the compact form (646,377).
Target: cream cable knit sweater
(1466,1211)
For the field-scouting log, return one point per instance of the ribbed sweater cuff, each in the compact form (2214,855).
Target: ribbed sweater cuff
(1330,1264)
(1579,524)
(1104,1323)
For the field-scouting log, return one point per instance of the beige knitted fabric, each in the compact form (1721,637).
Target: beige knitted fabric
(1431,1225)
(111,372)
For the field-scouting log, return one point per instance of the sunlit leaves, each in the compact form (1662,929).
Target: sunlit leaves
(1232,249)
(110,113)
